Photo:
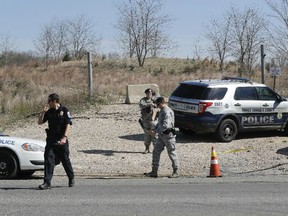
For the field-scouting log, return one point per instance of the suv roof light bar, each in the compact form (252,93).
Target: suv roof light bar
(236,79)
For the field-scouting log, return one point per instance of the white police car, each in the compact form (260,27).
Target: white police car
(20,156)
(227,106)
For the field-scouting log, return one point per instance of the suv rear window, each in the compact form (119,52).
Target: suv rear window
(199,92)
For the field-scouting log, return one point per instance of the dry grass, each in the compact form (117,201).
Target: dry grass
(24,89)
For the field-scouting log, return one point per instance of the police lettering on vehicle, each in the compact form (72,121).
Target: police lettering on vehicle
(7,142)
(259,110)
(257,120)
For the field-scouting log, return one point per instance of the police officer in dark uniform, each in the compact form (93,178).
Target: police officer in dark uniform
(57,145)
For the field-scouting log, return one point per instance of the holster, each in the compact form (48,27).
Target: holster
(169,130)
(47,131)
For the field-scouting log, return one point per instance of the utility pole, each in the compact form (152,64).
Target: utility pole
(90,81)
(262,64)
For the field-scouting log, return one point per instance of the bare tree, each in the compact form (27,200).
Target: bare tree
(81,37)
(47,43)
(67,36)
(7,46)
(247,29)
(238,35)
(279,30)
(197,50)
(142,28)
(59,38)
(218,34)
(126,41)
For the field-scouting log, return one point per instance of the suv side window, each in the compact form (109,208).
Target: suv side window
(214,93)
(246,93)
(266,94)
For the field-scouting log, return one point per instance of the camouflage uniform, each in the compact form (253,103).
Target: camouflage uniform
(146,106)
(166,137)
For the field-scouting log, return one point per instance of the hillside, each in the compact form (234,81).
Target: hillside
(24,89)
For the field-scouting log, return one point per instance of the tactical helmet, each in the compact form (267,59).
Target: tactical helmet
(148,90)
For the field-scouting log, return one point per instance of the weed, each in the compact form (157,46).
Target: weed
(24,89)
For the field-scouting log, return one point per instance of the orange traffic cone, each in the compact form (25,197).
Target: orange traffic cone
(214,168)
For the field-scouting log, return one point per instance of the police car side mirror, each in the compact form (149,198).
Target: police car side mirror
(280,99)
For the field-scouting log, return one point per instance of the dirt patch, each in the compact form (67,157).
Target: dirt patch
(110,143)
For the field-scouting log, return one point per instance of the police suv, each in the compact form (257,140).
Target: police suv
(227,106)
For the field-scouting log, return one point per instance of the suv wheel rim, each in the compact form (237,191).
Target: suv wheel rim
(227,131)
(3,166)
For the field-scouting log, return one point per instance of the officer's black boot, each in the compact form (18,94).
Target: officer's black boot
(71,182)
(175,173)
(45,186)
(153,173)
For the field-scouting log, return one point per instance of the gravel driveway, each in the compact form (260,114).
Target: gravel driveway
(110,143)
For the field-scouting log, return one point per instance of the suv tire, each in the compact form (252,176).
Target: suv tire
(285,131)
(227,130)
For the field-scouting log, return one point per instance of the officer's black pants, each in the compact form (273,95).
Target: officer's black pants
(56,152)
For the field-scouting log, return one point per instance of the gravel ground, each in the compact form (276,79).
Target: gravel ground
(110,143)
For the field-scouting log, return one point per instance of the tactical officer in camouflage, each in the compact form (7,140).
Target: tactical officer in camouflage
(148,118)
(166,138)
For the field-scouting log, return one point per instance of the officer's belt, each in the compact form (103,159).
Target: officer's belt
(169,130)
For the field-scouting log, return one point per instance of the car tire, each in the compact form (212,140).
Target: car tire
(227,130)
(285,131)
(8,165)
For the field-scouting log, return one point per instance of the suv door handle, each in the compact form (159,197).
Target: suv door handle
(265,105)
(238,104)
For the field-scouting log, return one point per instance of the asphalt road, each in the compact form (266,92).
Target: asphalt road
(252,195)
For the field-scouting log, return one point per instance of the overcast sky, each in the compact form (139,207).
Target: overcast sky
(22,20)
